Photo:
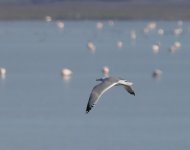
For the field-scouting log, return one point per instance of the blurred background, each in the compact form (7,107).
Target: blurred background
(95,9)
(52,51)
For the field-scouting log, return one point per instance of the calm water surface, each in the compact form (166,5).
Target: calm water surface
(41,111)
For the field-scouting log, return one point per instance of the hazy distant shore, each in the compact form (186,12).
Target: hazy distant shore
(95,11)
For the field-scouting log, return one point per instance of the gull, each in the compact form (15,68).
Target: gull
(106,84)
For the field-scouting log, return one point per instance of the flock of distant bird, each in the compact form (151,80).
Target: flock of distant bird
(108,82)
(66,72)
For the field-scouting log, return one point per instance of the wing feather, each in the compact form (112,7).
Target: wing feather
(97,92)
(129,89)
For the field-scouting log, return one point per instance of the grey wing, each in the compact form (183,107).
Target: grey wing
(96,93)
(129,89)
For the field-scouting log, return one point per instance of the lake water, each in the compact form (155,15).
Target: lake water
(41,111)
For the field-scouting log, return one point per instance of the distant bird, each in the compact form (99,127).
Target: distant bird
(105,71)
(157,73)
(2,72)
(150,27)
(161,31)
(65,72)
(133,35)
(106,84)
(119,44)
(177,44)
(174,47)
(99,25)
(156,48)
(178,31)
(91,46)
(60,24)
(48,18)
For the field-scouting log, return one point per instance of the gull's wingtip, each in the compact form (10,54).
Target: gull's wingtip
(88,108)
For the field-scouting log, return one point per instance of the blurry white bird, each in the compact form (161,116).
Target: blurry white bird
(2,72)
(157,73)
(66,72)
(156,48)
(105,71)
(91,46)
(119,44)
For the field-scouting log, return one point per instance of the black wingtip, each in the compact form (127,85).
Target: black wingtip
(133,93)
(88,108)
(87,111)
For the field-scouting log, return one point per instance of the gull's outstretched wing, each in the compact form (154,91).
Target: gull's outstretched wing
(97,92)
(129,89)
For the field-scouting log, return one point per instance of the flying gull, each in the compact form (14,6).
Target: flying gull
(106,84)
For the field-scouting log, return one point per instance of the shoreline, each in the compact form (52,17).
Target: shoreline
(92,11)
